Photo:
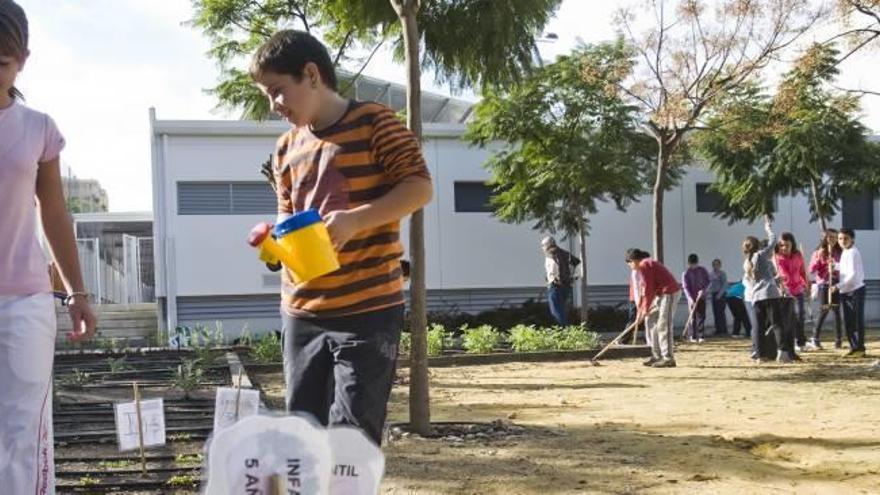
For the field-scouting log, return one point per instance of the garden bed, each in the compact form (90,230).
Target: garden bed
(87,386)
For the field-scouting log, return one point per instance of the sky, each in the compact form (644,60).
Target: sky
(98,66)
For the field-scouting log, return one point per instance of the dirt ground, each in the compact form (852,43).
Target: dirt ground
(716,424)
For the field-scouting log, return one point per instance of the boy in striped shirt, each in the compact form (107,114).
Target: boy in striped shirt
(363,171)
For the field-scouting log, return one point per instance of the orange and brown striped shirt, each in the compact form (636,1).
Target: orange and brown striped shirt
(353,162)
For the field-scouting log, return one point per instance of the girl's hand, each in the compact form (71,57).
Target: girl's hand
(83,319)
(342,226)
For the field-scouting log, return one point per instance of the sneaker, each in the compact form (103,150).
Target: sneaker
(650,361)
(798,348)
(854,355)
(701,340)
(692,340)
(813,345)
(664,363)
(783,357)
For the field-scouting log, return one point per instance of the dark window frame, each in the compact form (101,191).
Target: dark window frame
(463,204)
(857,211)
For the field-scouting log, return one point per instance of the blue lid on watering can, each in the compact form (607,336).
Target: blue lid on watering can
(297,221)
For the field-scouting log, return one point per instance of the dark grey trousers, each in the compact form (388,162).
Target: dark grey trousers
(340,370)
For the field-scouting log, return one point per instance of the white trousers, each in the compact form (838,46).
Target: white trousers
(27,347)
(658,324)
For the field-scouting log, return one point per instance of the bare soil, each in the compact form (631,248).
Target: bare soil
(716,424)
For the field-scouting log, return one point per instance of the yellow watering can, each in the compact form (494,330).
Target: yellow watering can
(300,242)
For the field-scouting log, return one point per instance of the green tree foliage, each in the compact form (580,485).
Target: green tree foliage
(565,144)
(465,43)
(807,139)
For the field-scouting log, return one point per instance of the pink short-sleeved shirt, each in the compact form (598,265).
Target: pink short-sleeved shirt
(27,139)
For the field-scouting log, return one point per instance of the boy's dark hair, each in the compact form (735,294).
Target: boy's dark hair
(716,260)
(693,259)
(13,34)
(288,52)
(636,254)
(848,232)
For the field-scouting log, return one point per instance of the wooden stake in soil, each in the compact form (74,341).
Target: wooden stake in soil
(137,408)
(276,485)
(238,393)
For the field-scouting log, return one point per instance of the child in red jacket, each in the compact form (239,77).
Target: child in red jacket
(658,296)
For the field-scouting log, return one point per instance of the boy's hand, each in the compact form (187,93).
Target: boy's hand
(342,226)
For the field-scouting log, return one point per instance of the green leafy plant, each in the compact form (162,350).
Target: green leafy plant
(77,379)
(405,345)
(575,338)
(480,340)
(245,338)
(88,481)
(189,458)
(188,376)
(182,480)
(117,364)
(528,338)
(438,339)
(267,349)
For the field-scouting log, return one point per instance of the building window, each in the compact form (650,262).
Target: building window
(225,198)
(707,201)
(858,211)
(472,197)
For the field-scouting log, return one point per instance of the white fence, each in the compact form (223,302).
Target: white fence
(126,281)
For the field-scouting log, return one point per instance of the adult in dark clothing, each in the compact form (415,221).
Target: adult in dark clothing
(559,265)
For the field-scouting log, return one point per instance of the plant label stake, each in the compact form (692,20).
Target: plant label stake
(140,424)
(238,394)
(276,485)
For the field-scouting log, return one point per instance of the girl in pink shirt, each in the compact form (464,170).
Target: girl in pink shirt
(792,270)
(823,264)
(30,183)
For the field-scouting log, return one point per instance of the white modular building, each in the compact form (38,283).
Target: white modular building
(208,193)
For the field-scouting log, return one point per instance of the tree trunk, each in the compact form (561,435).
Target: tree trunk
(582,237)
(419,398)
(819,213)
(659,190)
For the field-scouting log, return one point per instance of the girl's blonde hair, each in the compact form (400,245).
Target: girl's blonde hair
(13,35)
(750,246)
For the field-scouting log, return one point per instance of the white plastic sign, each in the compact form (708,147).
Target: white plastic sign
(358,464)
(243,458)
(248,401)
(152,419)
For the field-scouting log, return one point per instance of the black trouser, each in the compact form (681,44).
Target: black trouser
(740,315)
(800,319)
(340,370)
(698,323)
(718,306)
(854,317)
(774,328)
(826,308)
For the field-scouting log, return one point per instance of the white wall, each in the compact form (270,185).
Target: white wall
(464,250)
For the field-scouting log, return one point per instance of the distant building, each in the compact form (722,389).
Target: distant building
(83,195)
